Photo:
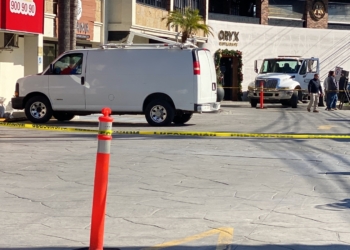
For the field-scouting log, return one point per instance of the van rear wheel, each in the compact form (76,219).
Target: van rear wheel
(159,113)
(63,116)
(38,109)
(182,118)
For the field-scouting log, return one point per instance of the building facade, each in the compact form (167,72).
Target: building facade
(21,47)
(264,29)
(89,29)
(250,29)
(146,16)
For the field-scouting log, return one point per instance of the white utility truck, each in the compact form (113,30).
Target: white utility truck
(285,80)
(165,82)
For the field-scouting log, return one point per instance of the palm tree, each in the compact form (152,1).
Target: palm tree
(63,26)
(190,23)
(73,23)
(67,25)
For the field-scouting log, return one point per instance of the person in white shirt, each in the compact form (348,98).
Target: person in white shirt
(325,86)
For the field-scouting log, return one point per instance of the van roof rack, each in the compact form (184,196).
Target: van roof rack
(167,43)
(290,56)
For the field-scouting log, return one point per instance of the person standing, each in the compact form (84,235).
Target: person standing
(332,94)
(325,91)
(314,89)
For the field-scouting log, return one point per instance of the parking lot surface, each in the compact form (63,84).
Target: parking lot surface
(272,193)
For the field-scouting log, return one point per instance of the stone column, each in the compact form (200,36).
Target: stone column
(262,11)
(169,5)
(33,54)
(204,8)
(316,14)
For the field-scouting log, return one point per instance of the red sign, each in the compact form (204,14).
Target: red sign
(22,15)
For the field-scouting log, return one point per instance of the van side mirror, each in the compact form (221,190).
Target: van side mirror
(256,66)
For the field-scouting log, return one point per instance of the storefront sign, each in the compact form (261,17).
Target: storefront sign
(228,38)
(85,19)
(22,15)
(82,28)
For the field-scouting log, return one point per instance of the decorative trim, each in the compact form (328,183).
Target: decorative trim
(98,24)
(318,10)
(234,53)
(50,16)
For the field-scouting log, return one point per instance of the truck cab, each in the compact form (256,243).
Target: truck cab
(285,79)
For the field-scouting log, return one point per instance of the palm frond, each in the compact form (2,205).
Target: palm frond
(190,22)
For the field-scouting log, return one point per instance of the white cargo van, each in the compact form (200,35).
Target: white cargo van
(165,82)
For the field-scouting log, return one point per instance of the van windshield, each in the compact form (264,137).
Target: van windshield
(280,66)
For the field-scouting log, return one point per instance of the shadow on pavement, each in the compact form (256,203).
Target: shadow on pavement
(339,173)
(209,247)
(338,120)
(343,204)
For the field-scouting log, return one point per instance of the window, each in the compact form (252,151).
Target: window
(69,65)
(309,66)
(50,53)
(339,12)
(156,3)
(280,66)
(286,8)
(233,7)
(181,5)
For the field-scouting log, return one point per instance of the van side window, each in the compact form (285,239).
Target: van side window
(69,65)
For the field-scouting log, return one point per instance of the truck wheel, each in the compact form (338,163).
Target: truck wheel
(300,95)
(294,100)
(182,118)
(63,116)
(253,103)
(159,113)
(38,109)
(285,103)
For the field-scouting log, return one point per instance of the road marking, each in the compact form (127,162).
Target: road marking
(326,127)
(224,241)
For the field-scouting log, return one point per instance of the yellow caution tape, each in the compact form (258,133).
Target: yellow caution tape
(44,127)
(179,133)
(105,132)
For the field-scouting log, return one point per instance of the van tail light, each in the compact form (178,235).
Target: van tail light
(17,90)
(196,68)
(213,86)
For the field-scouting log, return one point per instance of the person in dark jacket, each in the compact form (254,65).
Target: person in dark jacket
(333,90)
(315,90)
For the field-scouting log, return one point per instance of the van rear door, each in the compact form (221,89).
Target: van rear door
(204,70)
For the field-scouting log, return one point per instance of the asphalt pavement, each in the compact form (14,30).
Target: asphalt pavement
(182,192)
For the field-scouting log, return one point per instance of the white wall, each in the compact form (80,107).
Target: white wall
(261,41)
(20,62)
(11,68)
(31,55)
(120,14)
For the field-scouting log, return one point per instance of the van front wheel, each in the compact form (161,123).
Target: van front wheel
(159,113)
(38,109)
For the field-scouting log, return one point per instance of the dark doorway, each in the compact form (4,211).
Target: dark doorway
(226,70)
(233,7)
(229,68)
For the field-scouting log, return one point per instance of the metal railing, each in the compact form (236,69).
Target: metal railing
(181,5)
(155,3)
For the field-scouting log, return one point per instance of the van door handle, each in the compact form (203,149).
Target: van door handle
(82,80)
